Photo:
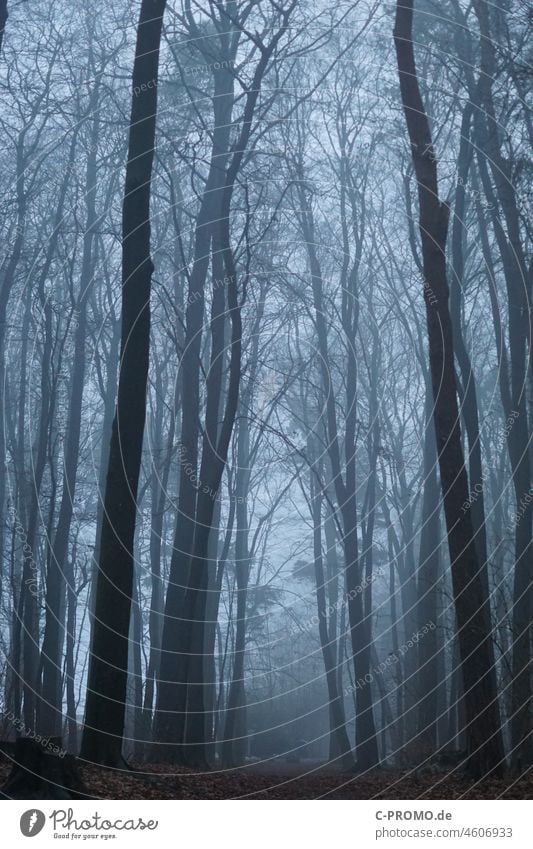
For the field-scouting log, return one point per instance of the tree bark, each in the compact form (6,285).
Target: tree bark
(3,20)
(518,283)
(51,712)
(108,671)
(427,587)
(483,728)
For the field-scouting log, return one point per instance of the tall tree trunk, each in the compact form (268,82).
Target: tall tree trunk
(170,723)
(6,285)
(428,577)
(109,395)
(345,487)
(483,728)
(70,660)
(183,689)
(50,719)
(108,670)
(328,642)
(159,483)
(233,746)
(3,20)
(518,283)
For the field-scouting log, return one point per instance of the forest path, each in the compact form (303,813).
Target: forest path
(275,780)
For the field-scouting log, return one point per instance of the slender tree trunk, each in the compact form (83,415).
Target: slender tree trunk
(483,728)
(183,692)
(160,476)
(338,730)
(469,402)
(105,442)
(3,20)
(518,283)
(428,577)
(51,712)
(108,672)
(233,749)
(345,492)
(70,660)
(170,722)
(6,284)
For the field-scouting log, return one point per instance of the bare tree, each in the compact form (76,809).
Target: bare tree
(106,686)
(485,745)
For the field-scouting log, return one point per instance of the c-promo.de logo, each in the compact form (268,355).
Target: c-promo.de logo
(32,822)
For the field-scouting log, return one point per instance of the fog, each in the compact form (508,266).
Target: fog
(265,376)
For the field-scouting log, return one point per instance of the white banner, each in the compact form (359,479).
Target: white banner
(269,824)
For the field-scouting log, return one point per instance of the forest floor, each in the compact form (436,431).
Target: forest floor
(282,781)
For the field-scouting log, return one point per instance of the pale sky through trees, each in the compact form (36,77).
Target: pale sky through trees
(266,391)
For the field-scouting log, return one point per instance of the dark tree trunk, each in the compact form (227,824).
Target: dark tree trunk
(109,394)
(183,690)
(51,713)
(408,621)
(343,749)
(3,20)
(160,476)
(469,403)
(483,728)
(108,672)
(428,577)
(30,583)
(6,285)
(345,487)
(233,746)
(70,661)
(135,699)
(170,723)
(43,771)
(518,283)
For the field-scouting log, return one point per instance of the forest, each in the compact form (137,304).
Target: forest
(266,399)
